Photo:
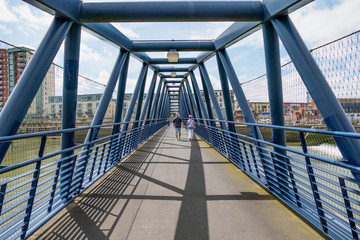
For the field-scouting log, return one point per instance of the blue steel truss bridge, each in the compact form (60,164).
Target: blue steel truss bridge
(131,179)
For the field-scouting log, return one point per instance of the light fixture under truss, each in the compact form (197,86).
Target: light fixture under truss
(173,55)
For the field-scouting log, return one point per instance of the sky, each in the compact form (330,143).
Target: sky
(319,22)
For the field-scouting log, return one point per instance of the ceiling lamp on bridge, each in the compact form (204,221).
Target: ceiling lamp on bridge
(173,74)
(173,55)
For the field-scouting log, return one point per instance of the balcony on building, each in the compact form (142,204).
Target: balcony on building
(22,54)
(23,60)
(22,65)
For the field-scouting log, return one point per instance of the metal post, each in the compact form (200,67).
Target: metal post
(226,94)
(245,109)
(234,150)
(151,103)
(100,113)
(70,86)
(160,103)
(155,103)
(207,100)
(320,91)
(196,101)
(106,97)
(209,89)
(114,146)
(186,104)
(273,68)
(199,99)
(25,90)
(187,100)
(149,99)
(133,100)
(193,104)
(141,95)
(121,94)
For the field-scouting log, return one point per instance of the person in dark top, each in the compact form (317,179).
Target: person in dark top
(177,122)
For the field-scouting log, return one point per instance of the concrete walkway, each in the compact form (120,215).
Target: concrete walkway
(172,189)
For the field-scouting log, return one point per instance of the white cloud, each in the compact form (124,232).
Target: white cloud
(103,77)
(6,15)
(211,31)
(319,23)
(5,30)
(36,20)
(127,31)
(88,54)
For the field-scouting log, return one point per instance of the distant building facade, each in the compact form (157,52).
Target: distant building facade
(12,64)
(85,108)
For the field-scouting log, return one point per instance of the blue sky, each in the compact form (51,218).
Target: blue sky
(318,22)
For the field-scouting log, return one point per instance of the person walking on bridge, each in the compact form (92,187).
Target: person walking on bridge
(177,122)
(190,126)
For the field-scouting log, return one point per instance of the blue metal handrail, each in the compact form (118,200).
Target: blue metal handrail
(32,191)
(324,191)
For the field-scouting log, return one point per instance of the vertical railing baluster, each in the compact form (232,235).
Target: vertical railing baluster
(2,196)
(254,161)
(313,184)
(94,162)
(33,188)
(101,159)
(247,157)
(53,190)
(85,159)
(348,208)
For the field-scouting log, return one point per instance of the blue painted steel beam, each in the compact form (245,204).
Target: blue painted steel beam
(207,99)
(275,7)
(102,108)
(191,101)
(121,94)
(167,11)
(142,76)
(149,98)
(163,102)
(239,93)
(25,90)
(273,69)
(156,100)
(166,61)
(208,89)
(170,82)
(133,100)
(172,69)
(194,104)
(198,97)
(226,94)
(156,46)
(187,101)
(70,87)
(160,102)
(169,76)
(320,91)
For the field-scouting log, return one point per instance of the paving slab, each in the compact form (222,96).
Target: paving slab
(171,189)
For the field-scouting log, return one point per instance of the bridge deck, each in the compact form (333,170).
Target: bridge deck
(172,189)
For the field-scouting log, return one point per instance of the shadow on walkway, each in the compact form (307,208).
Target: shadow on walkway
(110,210)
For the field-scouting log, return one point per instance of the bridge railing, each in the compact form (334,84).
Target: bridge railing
(36,184)
(308,175)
